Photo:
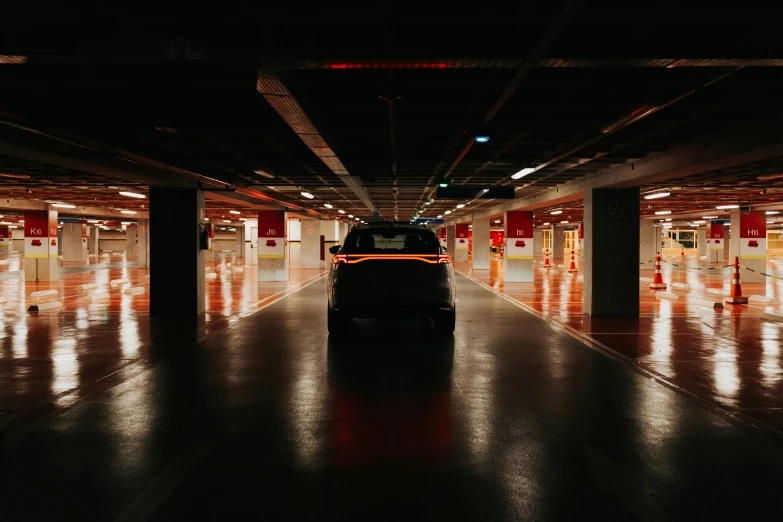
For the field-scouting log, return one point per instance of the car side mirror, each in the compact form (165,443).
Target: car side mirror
(334,249)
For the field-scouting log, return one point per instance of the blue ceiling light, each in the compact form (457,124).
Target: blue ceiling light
(482,139)
(443,185)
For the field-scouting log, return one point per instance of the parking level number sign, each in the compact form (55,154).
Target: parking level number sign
(616,209)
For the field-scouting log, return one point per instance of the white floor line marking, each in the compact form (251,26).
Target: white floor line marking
(150,500)
(601,348)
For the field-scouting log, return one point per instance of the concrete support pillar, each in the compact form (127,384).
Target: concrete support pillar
(331,231)
(72,242)
(41,246)
(481,244)
(177,291)
(520,236)
(558,243)
(461,244)
(6,242)
(702,241)
(93,242)
(749,241)
(538,242)
(611,269)
(310,255)
(272,261)
(442,237)
(451,240)
(209,253)
(131,242)
(716,242)
(143,251)
(240,239)
(648,241)
(727,245)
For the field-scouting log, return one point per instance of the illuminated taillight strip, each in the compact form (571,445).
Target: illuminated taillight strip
(353,259)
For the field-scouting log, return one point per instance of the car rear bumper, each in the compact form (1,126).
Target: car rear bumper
(393,301)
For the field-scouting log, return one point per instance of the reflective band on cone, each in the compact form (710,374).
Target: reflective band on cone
(735,296)
(572,266)
(546,260)
(658,283)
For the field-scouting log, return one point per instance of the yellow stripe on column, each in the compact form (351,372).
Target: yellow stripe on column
(519,257)
(37,256)
(271,256)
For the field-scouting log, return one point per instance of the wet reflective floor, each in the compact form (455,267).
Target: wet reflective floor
(511,419)
(731,358)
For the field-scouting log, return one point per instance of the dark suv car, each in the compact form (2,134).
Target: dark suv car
(391,269)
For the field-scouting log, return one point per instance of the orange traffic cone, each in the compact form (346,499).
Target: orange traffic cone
(546,260)
(658,283)
(572,266)
(682,252)
(735,296)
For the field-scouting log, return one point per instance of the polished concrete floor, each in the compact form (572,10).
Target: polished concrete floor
(514,418)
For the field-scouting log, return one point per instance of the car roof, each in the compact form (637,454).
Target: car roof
(390,224)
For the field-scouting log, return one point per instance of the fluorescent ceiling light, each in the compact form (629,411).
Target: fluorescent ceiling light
(5,223)
(226,221)
(242,219)
(461,205)
(328,205)
(556,212)
(522,173)
(341,211)
(440,216)
(307,195)
(657,195)
(63,205)
(662,212)
(668,219)
(125,223)
(128,211)
(357,219)
(772,212)
(497,221)
(546,224)
(234,212)
(769,222)
(428,202)
(206,219)
(482,139)
(350,215)
(443,185)
(132,194)
(447,212)
(264,173)
(721,207)
(709,217)
(93,221)
(564,221)
(667,225)
(699,222)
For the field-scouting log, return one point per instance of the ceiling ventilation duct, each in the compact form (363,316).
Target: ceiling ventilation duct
(280,98)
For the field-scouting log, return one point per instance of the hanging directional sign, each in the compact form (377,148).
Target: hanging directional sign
(474,192)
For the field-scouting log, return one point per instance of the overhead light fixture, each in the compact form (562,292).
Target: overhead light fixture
(497,221)
(357,219)
(307,195)
(443,185)
(546,224)
(662,212)
(667,225)
(242,219)
(657,195)
(264,173)
(564,222)
(132,194)
(128,212)
(461,205)
(772,212)
(556,212)
(522,173)
(93,221)
(700,222)
(447,212)
(428,202)
(328,205)
(440,216)
(226,221)
(350,215)
(482,139)
(770,222)
(206,219)
(341,211)
(5,223)
(234,212)
(709,217)
(63,205)
(668,219)
(126,223)
(723,207)
(14,176)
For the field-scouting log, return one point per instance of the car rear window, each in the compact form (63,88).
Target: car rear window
(391,241)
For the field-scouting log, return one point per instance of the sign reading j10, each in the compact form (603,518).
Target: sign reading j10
(474,192)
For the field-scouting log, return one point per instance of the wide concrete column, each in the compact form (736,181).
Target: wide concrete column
(611,269)
(461,244)
(177,290)
(330,229)
(518,258)
(93,241)
(481,244)
(131,242)
(310,244)
(702,241)
(272,261)
(716,242)
(143,235)
(558,243)
(6,241)
(538,242)
(648,242)
(442,237)
(40,246)
(451,240)
(72,242)
(240,239)
(749,241)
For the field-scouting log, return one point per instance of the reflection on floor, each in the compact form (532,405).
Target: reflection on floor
(730,357)
(51,359)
